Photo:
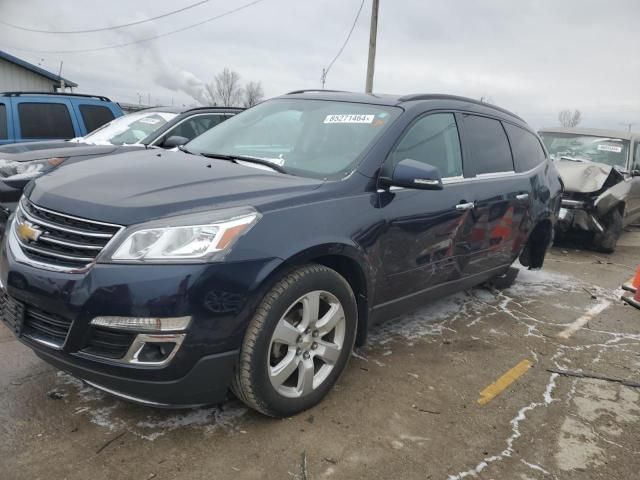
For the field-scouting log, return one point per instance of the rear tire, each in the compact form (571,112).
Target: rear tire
(607,240)
(298,342)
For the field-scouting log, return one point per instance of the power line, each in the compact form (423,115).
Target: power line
(147,39)
(116,27)
(325,71)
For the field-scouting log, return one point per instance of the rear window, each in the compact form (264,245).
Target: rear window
(45,120)
(526,148)
(3,122)
(95,116)
(488,145)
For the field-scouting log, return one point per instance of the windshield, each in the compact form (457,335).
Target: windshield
(312,138)
(129,129)
(610,151)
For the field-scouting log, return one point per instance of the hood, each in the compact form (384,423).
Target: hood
(583,177)
(135,187)
(28,152)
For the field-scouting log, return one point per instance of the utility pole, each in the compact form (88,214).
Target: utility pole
(373,34)
(62,85)
(323,77)
(628,125)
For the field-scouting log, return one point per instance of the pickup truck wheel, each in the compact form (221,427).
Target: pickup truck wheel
(298,342)
(607,240)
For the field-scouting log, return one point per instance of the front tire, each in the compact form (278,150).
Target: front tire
(298,342)
(607,240)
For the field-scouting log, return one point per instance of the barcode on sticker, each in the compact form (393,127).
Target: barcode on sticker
(349,119)
(610,148)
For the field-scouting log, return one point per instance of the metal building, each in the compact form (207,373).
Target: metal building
(19,76)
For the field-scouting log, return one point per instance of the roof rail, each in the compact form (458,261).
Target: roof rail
(193,109)
(315,90)
(439,96)
(85,95)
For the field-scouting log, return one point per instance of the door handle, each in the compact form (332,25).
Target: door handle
(522,197)
(465,206)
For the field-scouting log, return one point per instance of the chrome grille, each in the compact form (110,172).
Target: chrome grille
(61,240)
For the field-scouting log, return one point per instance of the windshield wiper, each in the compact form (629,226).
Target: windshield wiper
(243,158)
(182,148)
(573,159)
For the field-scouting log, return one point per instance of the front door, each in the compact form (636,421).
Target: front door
(426,238)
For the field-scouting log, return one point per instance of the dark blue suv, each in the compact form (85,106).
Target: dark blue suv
(256,257)
(31,116)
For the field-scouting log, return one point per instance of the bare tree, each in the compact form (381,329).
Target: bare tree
(569,119)
(226,89)
(209,94)
(252,94)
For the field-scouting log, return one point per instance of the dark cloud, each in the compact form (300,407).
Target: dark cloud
(535,58)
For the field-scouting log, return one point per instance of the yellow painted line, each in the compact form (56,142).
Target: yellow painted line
(497,387)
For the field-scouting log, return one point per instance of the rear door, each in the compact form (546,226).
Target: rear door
(42,118)
(501,197)
(92,115)
(6,126)
(426,236)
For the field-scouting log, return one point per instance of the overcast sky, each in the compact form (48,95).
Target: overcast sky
(532,57)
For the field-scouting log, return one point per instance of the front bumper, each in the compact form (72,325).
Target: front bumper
(576,215)
(205,383)
(219,298)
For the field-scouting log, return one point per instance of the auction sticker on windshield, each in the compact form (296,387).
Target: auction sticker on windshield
(610,148)
(344,118)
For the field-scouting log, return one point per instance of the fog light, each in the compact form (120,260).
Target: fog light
(144,324)
(153,350)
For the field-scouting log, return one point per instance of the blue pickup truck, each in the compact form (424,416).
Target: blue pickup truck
(31,116)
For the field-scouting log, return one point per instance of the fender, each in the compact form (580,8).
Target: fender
(611,198)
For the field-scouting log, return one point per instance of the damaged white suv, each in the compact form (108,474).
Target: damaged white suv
(601,174)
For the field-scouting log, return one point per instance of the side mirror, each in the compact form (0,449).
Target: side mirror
(174,141)
(410,173)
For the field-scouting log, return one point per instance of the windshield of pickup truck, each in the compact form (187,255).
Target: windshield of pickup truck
(129,129)
(610,151)
(311,138)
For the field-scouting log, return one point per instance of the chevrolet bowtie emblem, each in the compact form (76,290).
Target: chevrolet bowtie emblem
(28,233)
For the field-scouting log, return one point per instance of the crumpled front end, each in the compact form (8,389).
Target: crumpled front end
(578,212)
(590,194)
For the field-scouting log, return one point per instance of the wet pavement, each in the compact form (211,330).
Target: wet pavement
(407,406)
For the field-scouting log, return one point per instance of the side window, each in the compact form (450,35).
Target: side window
(527,151)
(4,134)
(433,139)
(45,120)
(488,146)
(195,126)
(636,155)
(95,116)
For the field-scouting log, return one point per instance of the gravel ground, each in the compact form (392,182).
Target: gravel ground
(407,406)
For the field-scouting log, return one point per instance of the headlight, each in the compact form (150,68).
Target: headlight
(193,237)
(10,170)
